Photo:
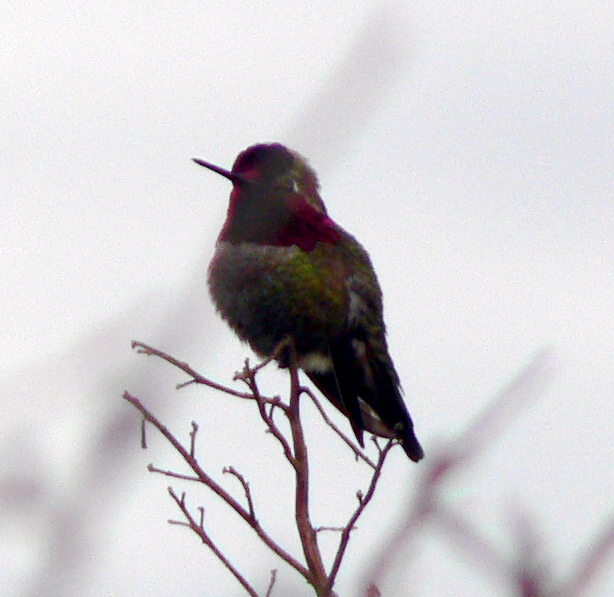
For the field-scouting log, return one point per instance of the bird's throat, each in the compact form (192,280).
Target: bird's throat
(278,222)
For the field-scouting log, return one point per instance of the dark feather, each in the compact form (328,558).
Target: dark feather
(379,389)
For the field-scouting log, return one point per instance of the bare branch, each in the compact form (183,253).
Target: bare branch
(143,348)
(193,439)
(307,534)
(248,377)
(357,451)
(167,473)
(207,480)
(261,365)
(199,529)
(269,590)
(528,572)
(144,433)
(248,494)
(295,452)
(363,501)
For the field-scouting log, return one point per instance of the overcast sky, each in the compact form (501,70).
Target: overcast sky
(468,147)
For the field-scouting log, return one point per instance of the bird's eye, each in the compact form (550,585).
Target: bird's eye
(293,186)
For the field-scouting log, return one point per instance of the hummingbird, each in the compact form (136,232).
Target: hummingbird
(283,269)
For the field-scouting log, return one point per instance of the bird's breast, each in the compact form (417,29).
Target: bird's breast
(267,293)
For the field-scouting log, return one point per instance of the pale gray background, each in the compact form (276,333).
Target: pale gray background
(467,145)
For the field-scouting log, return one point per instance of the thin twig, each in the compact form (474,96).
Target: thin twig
(249,378)
(143,348)
(253,370)
(363,501)
(144,433)
(269,590)
(248,494)
(193,439)
(168,473)
(199,529)
(357,451)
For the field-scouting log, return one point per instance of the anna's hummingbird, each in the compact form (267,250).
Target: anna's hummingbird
(283,269)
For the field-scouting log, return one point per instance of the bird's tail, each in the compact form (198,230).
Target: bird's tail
(387,401)
(410,443)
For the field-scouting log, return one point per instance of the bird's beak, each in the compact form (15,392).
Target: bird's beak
(231,176)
